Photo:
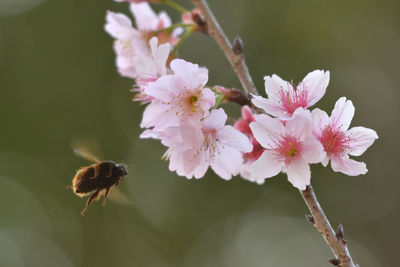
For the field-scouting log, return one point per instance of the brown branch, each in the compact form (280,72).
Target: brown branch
(334,240)
(236,59)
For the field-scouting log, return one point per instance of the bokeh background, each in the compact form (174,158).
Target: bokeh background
(59,83)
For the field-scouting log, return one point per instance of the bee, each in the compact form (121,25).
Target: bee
(96,178)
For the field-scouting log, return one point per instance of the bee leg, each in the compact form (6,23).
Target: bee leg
(105,196)
(94,196)
(70,186)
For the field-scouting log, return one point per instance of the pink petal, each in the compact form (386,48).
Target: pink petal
(269,106)
(360,139)
(227,162)
(190,73)
(190,161)
(342,114)
(348,166)
(266,166)
(300,125)
(164,19)
(267,130)
(275,84)
(191,134)
(316,82)
(160,54)
(165,88)
(118,25)
(320,120)
(207,100)
(299,174)
(157,114)
(201,168)
(312,150)
(215,120)
(233,138)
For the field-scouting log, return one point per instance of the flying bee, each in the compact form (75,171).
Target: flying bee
(96,178)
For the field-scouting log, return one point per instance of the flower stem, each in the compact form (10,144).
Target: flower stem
(172,27)
(236,59)
(174,5)
(334,240)
(187,34)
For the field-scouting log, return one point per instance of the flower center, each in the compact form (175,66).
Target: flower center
(334,141)
(292,99)
(193,102)
(288,147)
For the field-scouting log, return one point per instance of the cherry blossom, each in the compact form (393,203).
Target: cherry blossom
(339,141)
(193,147)
(132,44)
(290,147)
(284,97)
(178,97)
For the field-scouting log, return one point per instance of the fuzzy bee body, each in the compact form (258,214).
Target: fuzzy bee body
(96,178)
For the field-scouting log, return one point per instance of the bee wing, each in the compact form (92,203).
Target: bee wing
(86,148)
(117,196)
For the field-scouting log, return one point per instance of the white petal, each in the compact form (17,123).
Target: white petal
(269,106)
(360,139)
(300,125)
(342,114)
(201,168)
(316,82)
(215,120)
(320,120)
(312,150)
(145,17)
(348,166)
(233,138)
(275,84)
(227,162)
(299,174)
(190,161)
(266,166)
(118,25)
(267,130)
(325,161)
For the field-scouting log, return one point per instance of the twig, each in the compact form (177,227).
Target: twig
(334,240)
(236,59)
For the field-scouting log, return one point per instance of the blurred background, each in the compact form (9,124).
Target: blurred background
(59,83)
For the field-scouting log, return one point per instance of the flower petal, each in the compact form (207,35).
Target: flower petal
(215,120)
(267,130)
(320,120)
(300,125)
(191,134)
(316,82)
(269,106)
(312,150)
(266,166)
(164,88)
(227,162)
(273,85)
(348,166)
(118,25)
(299,174)
(233,138)
(145,17)
(192,74)
(360,139)
(342,114)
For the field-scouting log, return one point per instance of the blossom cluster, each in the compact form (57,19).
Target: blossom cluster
(185,114)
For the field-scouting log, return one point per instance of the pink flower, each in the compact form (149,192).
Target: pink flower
(178,97)
(290,148)
(150,69)
(284,97)
(338,141)
(193,147)
(132,45)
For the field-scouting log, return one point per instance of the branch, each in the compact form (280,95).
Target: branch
(334,240)
(235,57)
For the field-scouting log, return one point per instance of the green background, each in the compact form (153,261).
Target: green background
(59,83)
